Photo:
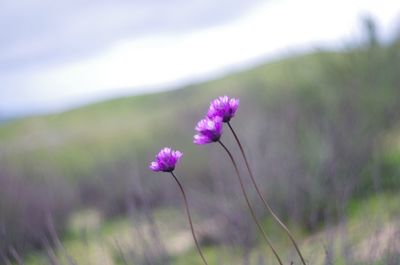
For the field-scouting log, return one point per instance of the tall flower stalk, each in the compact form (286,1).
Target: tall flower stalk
(165,161)
(266,204)
(225,108)
(209,131)
(253,214)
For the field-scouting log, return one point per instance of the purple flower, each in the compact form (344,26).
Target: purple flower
(166,160)
(208,130)
(223,107)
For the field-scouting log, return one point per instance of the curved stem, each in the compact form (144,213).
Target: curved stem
(189,218)
(266,204)
(249,205)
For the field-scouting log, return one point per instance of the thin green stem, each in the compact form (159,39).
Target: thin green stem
(266,204)
(253,214)
(189,218)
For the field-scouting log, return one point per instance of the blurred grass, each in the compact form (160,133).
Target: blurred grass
(366,218)
(80,145)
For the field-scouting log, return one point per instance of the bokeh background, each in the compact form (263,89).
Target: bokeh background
(91,90)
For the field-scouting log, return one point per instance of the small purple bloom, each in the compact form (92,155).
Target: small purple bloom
(223,107)
(166,160)
(208,130)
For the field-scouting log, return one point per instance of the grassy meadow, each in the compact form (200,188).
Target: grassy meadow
(322,132)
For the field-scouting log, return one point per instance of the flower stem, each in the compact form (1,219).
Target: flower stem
(189,218)
(249,205)
(266,204)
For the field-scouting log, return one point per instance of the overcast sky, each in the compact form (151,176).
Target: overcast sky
(58,54)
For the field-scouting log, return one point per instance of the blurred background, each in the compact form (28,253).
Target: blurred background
(91,90)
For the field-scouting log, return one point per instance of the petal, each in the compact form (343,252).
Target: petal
(154,166)
(201,139)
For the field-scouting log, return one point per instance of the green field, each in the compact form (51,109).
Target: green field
(324,127)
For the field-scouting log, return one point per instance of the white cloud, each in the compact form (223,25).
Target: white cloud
(162,60)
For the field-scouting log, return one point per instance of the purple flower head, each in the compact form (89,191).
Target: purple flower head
(208,130)
(166,160)
(223,107)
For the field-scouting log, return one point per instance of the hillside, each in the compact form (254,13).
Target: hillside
(78,140)
(319,129)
